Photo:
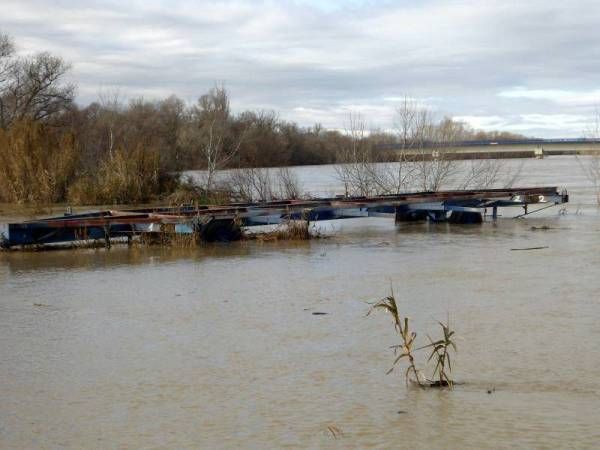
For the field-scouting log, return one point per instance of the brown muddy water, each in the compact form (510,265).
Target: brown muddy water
(218,347)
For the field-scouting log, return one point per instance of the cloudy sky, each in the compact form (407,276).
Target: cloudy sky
(531,67)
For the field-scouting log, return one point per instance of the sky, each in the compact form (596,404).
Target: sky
(530,67)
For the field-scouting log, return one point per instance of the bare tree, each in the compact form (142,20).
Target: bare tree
(258,184)
(436,164)
(364,170)
(481,174)
(7,49)
(429,143)
(513,174)
(250,184)
(211,134)
(289,184)
(424,142)
(356,159)
(414,127)
(591,165)
(32,87)
(423,159)
(111,107)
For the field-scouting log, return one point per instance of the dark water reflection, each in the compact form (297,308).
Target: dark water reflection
(217,347)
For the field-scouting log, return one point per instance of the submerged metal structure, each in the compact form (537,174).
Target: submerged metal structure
(222,223)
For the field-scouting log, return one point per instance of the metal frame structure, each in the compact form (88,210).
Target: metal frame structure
(212,222)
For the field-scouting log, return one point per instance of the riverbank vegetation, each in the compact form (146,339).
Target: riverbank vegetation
(111,151)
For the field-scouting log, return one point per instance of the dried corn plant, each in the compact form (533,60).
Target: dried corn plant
(440,351)
(407,337)
(440,348)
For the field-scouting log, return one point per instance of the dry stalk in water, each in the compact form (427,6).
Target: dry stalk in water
(439,348)
(407,337)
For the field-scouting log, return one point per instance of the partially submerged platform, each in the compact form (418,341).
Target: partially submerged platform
(223,222)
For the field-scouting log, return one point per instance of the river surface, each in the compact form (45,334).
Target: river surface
(218,347)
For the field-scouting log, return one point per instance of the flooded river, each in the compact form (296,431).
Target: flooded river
(218,346)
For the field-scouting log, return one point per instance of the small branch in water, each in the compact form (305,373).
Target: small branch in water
(335,432)
(529,248)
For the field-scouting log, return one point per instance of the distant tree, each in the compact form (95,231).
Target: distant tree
(33,87)
(210,133)
(7,49)
(309,146)
(264,144)
(171,117)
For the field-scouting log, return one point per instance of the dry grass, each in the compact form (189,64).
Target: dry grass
(123,177)
(293,230)
(188,192)
(37,163)
(41,165)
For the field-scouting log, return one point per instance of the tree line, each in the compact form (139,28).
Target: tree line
(115,151)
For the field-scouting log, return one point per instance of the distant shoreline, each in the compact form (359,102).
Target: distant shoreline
(456,154)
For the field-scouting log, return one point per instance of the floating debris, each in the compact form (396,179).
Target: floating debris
(542,228)
(335,431)
(529,248)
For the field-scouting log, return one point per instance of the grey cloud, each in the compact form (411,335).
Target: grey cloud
(314,63)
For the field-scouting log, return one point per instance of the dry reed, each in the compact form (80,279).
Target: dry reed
(37,163)
(292,230)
